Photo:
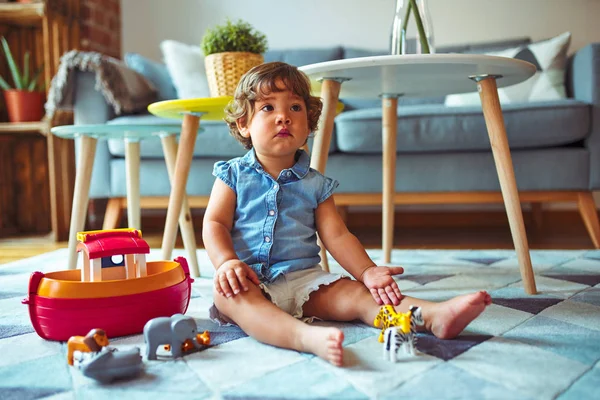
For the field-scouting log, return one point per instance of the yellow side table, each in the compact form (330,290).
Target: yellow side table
(191,111)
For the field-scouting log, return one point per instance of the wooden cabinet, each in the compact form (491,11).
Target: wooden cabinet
(36,168)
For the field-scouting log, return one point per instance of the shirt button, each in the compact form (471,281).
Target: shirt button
(267,239)
(275,186)
(288,173)
(271,212)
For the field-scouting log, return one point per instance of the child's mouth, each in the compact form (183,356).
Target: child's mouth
(283,133)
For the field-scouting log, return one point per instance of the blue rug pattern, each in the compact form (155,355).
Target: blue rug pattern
(522,347)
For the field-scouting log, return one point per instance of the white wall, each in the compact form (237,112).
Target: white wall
(359,23)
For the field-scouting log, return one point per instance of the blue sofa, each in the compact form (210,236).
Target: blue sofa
(444,153)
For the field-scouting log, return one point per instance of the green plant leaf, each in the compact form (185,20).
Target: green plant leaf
(34,79)
(239,36)
(420,28)
(14,70)
(25,79)
(4,85)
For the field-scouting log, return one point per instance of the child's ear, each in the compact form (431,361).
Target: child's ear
(242,127)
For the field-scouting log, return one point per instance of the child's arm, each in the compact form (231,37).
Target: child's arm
(231,273)
(351,255)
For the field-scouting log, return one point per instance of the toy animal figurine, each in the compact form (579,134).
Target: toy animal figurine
(403,335)
(174,331)
(94,341)
(386,318)
(110,364)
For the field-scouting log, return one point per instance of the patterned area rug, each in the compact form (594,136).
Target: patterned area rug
(522,347)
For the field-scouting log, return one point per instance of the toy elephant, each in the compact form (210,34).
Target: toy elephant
(174,331)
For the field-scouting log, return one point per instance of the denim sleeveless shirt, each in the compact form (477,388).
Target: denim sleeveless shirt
(274,228)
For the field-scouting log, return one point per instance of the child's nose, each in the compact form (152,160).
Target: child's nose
(283,118)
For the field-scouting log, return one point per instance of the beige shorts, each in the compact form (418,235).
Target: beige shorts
(289,292)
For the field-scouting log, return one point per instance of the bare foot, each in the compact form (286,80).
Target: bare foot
(449,318)
(325,343)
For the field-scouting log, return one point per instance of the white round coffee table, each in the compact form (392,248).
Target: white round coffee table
(390,77)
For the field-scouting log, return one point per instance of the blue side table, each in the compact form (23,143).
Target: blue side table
(132,134)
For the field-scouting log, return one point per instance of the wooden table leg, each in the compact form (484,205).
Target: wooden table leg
(330,92)
(587,209)
(169,145)
(390,131)
(83,176)
(185,153)
(132,177)
(494,121)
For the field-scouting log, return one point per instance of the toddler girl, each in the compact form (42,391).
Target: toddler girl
(261,224)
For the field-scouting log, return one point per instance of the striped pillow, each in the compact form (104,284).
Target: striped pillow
(548,83)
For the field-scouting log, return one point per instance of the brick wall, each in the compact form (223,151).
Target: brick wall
(101,26)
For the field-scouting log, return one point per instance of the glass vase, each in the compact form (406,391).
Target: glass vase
(403,16)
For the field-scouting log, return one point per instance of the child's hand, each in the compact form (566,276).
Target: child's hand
(232,276)
(381,284)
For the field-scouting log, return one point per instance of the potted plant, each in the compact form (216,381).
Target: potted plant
(23,102)
(230,51)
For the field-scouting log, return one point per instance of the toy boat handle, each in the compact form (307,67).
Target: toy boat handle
(34,283)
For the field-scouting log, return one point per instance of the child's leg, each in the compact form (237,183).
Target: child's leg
(265,322)
(347,300)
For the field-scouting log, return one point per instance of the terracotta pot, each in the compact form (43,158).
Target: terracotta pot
(24,106)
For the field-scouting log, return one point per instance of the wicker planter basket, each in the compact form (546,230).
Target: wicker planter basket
(224,70)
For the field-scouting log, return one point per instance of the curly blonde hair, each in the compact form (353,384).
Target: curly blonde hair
(259,82)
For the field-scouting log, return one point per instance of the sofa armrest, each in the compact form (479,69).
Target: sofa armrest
(90,107)
(584,83)
(583,76)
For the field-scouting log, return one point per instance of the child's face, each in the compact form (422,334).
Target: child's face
(279,125)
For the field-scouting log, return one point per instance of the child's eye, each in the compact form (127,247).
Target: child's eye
(296,107)
(267,107)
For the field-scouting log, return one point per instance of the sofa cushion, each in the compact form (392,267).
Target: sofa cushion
(427,128)
(155,72)
(213,139)
(535,169)
(186,67)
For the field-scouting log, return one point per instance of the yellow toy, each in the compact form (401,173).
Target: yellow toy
(404,335)
(386,318)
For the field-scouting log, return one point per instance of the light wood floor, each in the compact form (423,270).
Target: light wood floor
(485,230)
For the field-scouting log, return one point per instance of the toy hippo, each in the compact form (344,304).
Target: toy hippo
(110,364)
(177,331)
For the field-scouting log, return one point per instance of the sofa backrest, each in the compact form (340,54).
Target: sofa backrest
(305,56)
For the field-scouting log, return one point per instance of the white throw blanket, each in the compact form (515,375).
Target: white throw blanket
(123,88)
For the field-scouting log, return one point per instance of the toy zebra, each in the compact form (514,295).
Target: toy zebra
(402,335)
(386,317)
